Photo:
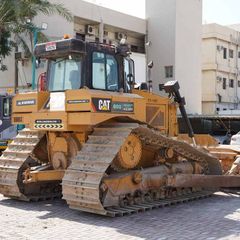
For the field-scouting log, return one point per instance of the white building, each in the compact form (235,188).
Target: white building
(220,69)
(172,27)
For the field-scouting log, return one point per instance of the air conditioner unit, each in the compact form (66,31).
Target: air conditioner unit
(90,30)
(219,78)
(120,36)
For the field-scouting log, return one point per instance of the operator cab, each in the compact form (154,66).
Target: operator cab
(74,64)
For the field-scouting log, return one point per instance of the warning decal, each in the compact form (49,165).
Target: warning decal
(48,124)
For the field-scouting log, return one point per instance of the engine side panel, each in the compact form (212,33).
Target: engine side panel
(80,108)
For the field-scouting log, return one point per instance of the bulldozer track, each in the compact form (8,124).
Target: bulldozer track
(156,139)
(14,160)
(146,206)
(82,180)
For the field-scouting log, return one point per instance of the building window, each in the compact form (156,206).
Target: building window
(225,53)
(238,54)
(231,53)
(224,83)
(238,83)
(169,71)
(219,98)
(231,83)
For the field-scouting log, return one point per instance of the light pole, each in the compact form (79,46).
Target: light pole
(35,39)
(35,30)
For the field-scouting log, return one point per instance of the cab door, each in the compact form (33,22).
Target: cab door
(6,106)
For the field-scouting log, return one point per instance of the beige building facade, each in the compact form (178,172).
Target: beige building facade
(220,70)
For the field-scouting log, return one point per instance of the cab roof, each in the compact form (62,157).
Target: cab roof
(68,46)
(60,47)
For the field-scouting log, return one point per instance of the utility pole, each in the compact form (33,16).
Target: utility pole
(35,39)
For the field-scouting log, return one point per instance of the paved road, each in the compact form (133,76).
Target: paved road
(217,217)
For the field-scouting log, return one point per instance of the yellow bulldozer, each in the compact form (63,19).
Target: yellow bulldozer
(106,147)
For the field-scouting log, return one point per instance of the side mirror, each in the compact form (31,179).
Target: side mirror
(131,75)
(130,79)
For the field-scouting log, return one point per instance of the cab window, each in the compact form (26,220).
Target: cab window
(126,74)
(6,107)
(104,72)
(65,73)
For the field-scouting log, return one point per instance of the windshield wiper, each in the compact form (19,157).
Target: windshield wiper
(61,60)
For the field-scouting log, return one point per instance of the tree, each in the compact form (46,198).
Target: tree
(6,17)
(13,21)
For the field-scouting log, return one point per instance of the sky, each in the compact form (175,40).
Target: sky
(224,12)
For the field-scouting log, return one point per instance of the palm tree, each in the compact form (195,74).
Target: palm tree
(13,16)
(6,17)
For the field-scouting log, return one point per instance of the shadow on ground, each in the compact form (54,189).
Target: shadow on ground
(211,218)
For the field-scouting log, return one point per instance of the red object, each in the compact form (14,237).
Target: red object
(42,82)
(51,46)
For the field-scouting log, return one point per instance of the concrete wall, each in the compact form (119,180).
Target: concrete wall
(140,67)
(161,18)
(188,52)
(174,29)
(97,13)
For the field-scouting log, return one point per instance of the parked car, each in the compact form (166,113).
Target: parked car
(235,139)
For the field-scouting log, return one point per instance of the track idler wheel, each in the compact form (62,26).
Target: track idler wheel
(130,153)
